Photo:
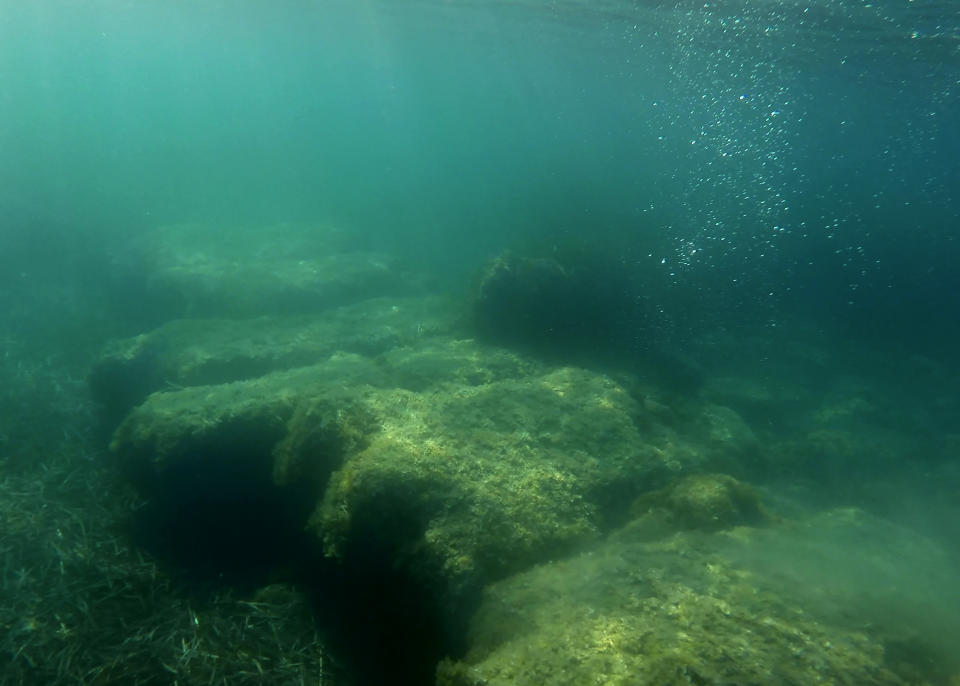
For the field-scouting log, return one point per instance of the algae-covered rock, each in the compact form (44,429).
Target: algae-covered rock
(200,270)
(287,409)
(525,300)
(241,422)
(454,362)
(724,434)
(214,462)
(758,398)
(455,462)
(194,352)
(705,501)
(465,483)
(449,462)
(579,303)
(712,609)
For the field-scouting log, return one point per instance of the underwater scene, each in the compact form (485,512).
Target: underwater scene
(480,342)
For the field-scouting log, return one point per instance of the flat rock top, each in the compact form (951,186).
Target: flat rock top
(199,270)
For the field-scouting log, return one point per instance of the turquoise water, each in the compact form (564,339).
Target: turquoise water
(766,193)
(794,144)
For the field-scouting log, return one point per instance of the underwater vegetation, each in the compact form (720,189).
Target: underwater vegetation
(479,343)
(365,491)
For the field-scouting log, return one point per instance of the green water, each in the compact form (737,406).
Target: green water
(408,122)
(775,183)
(732,144)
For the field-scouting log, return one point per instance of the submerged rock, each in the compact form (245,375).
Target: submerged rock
(704,609)
(467,483)
(420,462)
(705,501)
(430,470)
(182,431)
(199,270)
(453,463)
(198,352)
(558,308)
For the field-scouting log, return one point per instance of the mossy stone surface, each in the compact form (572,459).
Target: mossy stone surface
(455,462)
(463,484)
(180,429)
(450,462)
(684,608)
(705,501)
(194,352)
(246,271)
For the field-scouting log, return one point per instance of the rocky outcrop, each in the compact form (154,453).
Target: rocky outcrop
(654,605)
(198,270)
(455,464)
(197,352)
(448,480)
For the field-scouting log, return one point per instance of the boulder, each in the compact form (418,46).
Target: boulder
(451,462)
(705,501)
(201,270)
(560,308)
(195,352)
(232,427)
(783,604)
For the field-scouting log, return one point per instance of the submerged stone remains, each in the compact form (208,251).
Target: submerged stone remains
(579,523)
(662,608)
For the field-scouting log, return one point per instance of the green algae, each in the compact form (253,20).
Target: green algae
(671,608)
